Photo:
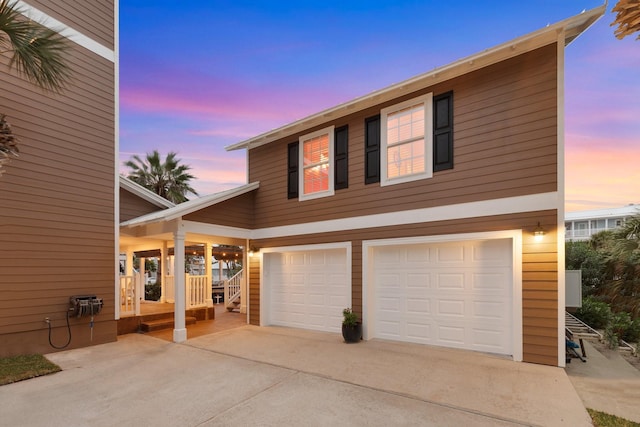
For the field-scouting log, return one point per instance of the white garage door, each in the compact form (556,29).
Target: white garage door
(307,289)
(456,294)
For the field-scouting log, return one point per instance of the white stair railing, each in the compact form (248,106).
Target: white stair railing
(232,288)
(197,291)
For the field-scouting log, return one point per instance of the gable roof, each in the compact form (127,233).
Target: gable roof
(144,193)
(190,206)
(571,27)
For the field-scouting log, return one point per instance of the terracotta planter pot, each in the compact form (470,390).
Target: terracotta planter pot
(352,333)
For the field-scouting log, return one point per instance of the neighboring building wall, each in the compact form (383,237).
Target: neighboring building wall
(505,145)
(58,198)
(584,224)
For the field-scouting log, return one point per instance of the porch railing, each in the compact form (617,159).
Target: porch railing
(169,288)
(129,300)
(196,290)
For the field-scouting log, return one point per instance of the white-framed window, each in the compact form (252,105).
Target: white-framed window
(316,164)
(407,141)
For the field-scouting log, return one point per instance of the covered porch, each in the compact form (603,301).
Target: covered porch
(188,241)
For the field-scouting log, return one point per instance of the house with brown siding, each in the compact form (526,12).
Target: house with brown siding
(433,207)
(59,204)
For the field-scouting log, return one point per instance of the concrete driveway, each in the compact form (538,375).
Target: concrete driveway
(253,376)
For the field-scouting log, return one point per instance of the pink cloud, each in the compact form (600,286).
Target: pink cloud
(601,176)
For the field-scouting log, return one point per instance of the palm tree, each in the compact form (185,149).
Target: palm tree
(627,18)
(168,179)
(622,268)
(36,53)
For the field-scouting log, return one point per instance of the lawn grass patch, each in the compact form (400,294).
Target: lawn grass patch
(18,368)
(602,419)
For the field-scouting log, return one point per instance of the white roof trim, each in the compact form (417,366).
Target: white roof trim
(625,211)
(572,28)
(144,193)
(190,206)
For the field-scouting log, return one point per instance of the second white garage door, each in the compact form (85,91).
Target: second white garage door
(456,294)
(307,289)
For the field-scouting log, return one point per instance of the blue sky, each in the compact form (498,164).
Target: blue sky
(201,75)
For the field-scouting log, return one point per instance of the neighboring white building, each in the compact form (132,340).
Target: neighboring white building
(583,224)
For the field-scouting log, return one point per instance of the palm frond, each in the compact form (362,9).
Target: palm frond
(38,52)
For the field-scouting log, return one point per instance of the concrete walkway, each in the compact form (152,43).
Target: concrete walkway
(607,383)
(276,376)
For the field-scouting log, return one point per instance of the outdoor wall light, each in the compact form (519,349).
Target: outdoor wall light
(538,233)
(253,251)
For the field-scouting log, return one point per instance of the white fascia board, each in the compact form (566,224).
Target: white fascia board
(66,31)
(144,193)
(515,47)
(630,210)
(509,205)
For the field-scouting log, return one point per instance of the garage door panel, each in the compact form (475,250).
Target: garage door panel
(460,296)
(307,289)
(449,281)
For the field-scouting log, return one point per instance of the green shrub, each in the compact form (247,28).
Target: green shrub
(594,313)
(152,292)
(350,318)
(632,334)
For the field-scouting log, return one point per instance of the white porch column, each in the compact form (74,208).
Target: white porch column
(180,328)
(207,269)
(163,271)
(128,268)
(140,285)
(244,295)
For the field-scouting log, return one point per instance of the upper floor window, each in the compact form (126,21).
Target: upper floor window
(316,158)
(406,141)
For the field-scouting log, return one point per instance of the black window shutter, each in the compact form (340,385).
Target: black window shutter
(341,158)
(372,150)
(443,132)
(292,171)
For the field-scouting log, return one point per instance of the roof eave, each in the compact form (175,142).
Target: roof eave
(572,28)
(191,206)
(142,192)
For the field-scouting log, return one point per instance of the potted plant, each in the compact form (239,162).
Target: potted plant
(351,327)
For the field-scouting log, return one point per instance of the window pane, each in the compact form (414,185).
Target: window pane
(316,150)
(316,164)
(405,159)
(316,179)
(405,124)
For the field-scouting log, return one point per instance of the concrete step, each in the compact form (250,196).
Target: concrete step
(166,323)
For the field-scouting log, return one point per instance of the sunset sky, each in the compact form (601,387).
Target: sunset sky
(200,75)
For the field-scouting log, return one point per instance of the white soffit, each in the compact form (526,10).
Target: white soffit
(572,28)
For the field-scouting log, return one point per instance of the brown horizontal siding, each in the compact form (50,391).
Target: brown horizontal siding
(254,291)
(132,206)
(505,145)
(58,197)
(539,268)
(236,212)
(92,18)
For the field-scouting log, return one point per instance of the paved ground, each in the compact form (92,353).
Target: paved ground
(607,383)
(277,376)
